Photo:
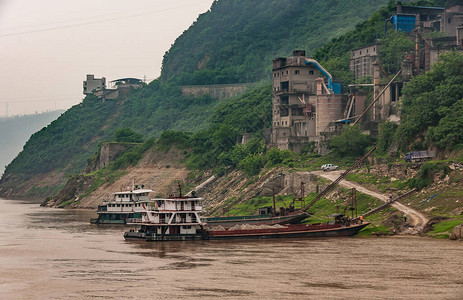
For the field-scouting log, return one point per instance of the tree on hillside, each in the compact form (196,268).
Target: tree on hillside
(392,50)
(127,135)
(386,136)
(433,101)
(351,143)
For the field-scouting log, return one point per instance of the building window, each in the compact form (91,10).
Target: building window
(284,100)
(367,50)
(311,72)
(297,111)
(296,72)
(284,112)
(360,52)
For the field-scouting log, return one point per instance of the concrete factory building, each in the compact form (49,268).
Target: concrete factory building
(306,102)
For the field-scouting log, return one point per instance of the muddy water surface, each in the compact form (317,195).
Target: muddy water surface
(56,254)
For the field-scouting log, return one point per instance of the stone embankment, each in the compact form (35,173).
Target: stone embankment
(457,233)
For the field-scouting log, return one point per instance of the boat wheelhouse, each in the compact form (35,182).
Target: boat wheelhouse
(175,218)
(124,207)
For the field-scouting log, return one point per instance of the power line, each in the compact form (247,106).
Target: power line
(40,100)
(39,97)
(70,20)
(89,22)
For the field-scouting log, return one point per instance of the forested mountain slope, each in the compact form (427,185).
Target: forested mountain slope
(236,40)
(233,42)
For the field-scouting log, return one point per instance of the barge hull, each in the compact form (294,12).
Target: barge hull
(310,233)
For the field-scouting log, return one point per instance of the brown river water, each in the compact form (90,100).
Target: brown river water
(50,253)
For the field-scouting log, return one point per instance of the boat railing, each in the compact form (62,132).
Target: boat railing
(236,217)
(133,220)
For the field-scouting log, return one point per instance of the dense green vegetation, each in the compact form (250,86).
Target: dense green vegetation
(386,136)
(432,112)
(67,142)
(236,40)
(350,143)
(216,147)
(393,48)
(127,135)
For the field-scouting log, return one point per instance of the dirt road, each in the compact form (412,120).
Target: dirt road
(416,220)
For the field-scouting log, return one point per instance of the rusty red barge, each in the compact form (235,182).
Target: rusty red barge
(291,231)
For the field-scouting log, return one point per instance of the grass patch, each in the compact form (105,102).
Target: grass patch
(382,183)
(444,228)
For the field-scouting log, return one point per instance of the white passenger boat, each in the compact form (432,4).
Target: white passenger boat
(124,207)
(173,218)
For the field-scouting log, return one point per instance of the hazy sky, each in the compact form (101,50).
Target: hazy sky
(48,46)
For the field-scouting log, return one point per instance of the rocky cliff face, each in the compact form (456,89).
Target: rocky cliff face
(69,195)
(157,170)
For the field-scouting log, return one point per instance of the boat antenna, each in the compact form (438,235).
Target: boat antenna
(180,190)
(274,206)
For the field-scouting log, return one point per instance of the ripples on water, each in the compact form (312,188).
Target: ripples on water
(56,254)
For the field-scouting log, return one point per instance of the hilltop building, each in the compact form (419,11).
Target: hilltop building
(93,84)
(304,105)
(118,87)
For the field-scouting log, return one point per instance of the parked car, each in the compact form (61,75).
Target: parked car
(329,167)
